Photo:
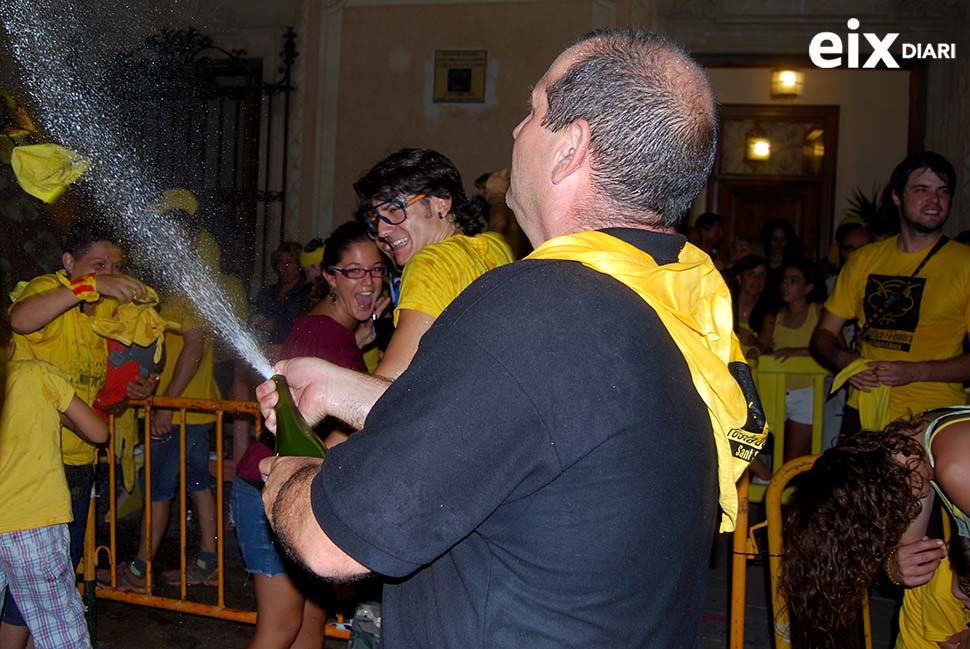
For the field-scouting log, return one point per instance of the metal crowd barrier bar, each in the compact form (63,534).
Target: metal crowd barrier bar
(149,598)
(746,548)
(770,378)
(773,511)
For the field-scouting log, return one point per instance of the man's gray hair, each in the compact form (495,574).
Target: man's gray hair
(652,120)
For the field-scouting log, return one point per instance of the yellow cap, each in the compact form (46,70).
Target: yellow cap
(45,170)
(178,199)
(312,257)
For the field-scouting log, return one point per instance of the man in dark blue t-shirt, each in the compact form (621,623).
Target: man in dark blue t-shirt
(546,473)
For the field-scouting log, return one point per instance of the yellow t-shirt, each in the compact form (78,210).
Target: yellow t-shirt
(931,613)
(436,274)
(31,469)
(203,385)
(928,322)
(69,343)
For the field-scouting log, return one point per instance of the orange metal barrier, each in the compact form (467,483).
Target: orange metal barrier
(91,548)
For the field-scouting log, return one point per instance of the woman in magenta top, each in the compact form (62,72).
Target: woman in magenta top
(353,269)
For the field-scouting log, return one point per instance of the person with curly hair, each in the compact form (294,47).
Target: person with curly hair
(414,204)
(861,501)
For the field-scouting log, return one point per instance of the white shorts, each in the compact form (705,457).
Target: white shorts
(798,405)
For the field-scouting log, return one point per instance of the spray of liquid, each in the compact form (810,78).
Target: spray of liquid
(66,77)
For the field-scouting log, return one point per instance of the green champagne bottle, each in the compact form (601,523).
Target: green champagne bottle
(294,436)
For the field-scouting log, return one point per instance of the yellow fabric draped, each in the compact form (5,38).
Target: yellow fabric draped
(45,170)
(874,404)
(136,323)
(693,303)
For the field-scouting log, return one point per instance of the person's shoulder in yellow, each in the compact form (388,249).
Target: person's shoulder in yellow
(35,395)
(935,611)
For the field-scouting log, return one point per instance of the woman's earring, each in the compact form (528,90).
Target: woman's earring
(333,296)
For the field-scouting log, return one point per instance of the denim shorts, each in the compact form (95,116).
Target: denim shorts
(166,462)
(257,543)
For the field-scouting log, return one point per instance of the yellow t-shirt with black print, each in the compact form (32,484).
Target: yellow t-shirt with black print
(928,321)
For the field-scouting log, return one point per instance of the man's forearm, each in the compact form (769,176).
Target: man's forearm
(301,536)
(36,311)
(353,394)
(186,365)
(826,349)
(950,370)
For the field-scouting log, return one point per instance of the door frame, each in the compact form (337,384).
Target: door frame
(828,117)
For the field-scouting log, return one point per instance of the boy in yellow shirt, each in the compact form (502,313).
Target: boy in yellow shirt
(35,562)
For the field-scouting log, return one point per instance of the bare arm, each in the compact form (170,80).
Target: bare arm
(917,555)
(949,370)
(186,366)
(286,498)
(951,452)
(242,390)
(33,313)
(828,348)
(320,388)
(411,327)
(766,335)
(825,342)
(86,423)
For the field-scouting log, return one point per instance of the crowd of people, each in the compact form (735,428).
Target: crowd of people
(501,451)
(894,328)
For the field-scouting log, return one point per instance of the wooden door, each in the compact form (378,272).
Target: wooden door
(797,183)
(747,205)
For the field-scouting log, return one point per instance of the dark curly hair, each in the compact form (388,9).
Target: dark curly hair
(420,171)
(845,517)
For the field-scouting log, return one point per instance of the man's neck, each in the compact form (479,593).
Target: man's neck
(912,241)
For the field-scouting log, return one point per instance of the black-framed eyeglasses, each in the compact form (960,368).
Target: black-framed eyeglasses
(392,211)
(380,270)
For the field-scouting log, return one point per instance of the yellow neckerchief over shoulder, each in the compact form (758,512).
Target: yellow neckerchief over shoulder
(693,303)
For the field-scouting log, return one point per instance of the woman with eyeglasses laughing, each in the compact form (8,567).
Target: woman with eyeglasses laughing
(354,270)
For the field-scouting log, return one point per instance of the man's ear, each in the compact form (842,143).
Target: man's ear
(67,260)
(440,206)
(896,198)
(573,152)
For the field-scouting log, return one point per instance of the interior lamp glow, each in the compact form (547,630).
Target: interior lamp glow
(757,146)
(786,84)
